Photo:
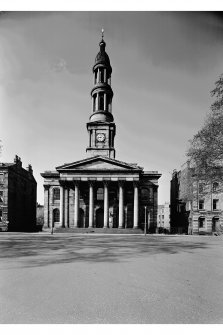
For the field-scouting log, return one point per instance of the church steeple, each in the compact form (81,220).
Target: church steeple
(101,127)
(101,92)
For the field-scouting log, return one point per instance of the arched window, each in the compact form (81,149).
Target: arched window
(56,194)
(101,101)
(56,215)
(201,222)
(102,75)
(94,102)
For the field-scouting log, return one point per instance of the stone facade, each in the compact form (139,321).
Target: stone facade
(17,197)
(100,191)
(196,207)
(163,218)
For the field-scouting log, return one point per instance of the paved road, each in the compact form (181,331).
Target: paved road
(110,279)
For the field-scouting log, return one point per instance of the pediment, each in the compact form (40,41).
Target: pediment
(98,163)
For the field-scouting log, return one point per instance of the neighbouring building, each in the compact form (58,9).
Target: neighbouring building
(17,197)
(163,218)
(196,207)
(39,216)
(100,191)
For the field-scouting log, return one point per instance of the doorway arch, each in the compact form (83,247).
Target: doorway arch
(99,218)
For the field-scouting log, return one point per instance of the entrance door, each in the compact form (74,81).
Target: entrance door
(81,218)
(214,224)
(56,217)
(99,218)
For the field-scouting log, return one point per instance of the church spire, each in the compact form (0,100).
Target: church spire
(101,126)
(101,92)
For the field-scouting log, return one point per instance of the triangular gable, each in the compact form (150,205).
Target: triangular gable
(98,163)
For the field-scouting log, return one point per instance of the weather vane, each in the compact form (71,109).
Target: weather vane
(102,33)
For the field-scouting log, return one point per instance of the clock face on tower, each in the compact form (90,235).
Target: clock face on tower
(100,137)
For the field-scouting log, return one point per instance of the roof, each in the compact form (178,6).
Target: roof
(98,163)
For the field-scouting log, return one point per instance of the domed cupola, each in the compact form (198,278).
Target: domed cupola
(102,58)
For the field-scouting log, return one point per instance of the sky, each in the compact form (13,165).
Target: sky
(164,66)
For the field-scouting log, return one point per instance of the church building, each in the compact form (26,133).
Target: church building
(100,191)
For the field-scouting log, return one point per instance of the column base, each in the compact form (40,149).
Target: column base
(135,227)
(121,227)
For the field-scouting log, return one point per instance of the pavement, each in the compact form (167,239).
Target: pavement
(107,279)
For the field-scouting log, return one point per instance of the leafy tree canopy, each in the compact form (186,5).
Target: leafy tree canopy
(206,147)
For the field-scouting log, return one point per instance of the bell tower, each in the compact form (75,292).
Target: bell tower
(101,127)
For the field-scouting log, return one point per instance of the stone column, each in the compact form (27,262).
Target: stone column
(46,206)
(136,205)
(93,137)
(50,207)
(92,103)
(66,207)
(76,204)
(91,204)
(98,75)
(106,204)
(61,206)
(121,205)
(97,101)
(105,101)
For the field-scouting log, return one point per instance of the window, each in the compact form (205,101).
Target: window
(0,215)
(215,186)
(94,102)
(1,178)
(201,187)
(100,193)
(201,204)
(201,222)
(162,217)
(144,193)
(56,194)
(101,101)
(102,75)
(215,204)
(1,196)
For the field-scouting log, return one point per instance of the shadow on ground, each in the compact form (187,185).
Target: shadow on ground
(43,250)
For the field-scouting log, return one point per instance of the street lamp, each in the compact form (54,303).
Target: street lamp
(145,222)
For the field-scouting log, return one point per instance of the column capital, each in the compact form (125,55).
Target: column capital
(106,182)
(136,183)
(91,182)
(76,182)
(121,182)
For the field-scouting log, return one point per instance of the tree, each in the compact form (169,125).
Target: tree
(206,147)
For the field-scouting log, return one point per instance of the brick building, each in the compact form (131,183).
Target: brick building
(100,191)
(17,197)
(196,207)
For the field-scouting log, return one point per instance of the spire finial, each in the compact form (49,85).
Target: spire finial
(102,33)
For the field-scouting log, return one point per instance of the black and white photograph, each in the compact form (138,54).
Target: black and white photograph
(111,167)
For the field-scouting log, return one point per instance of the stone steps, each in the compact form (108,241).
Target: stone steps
(98,230)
